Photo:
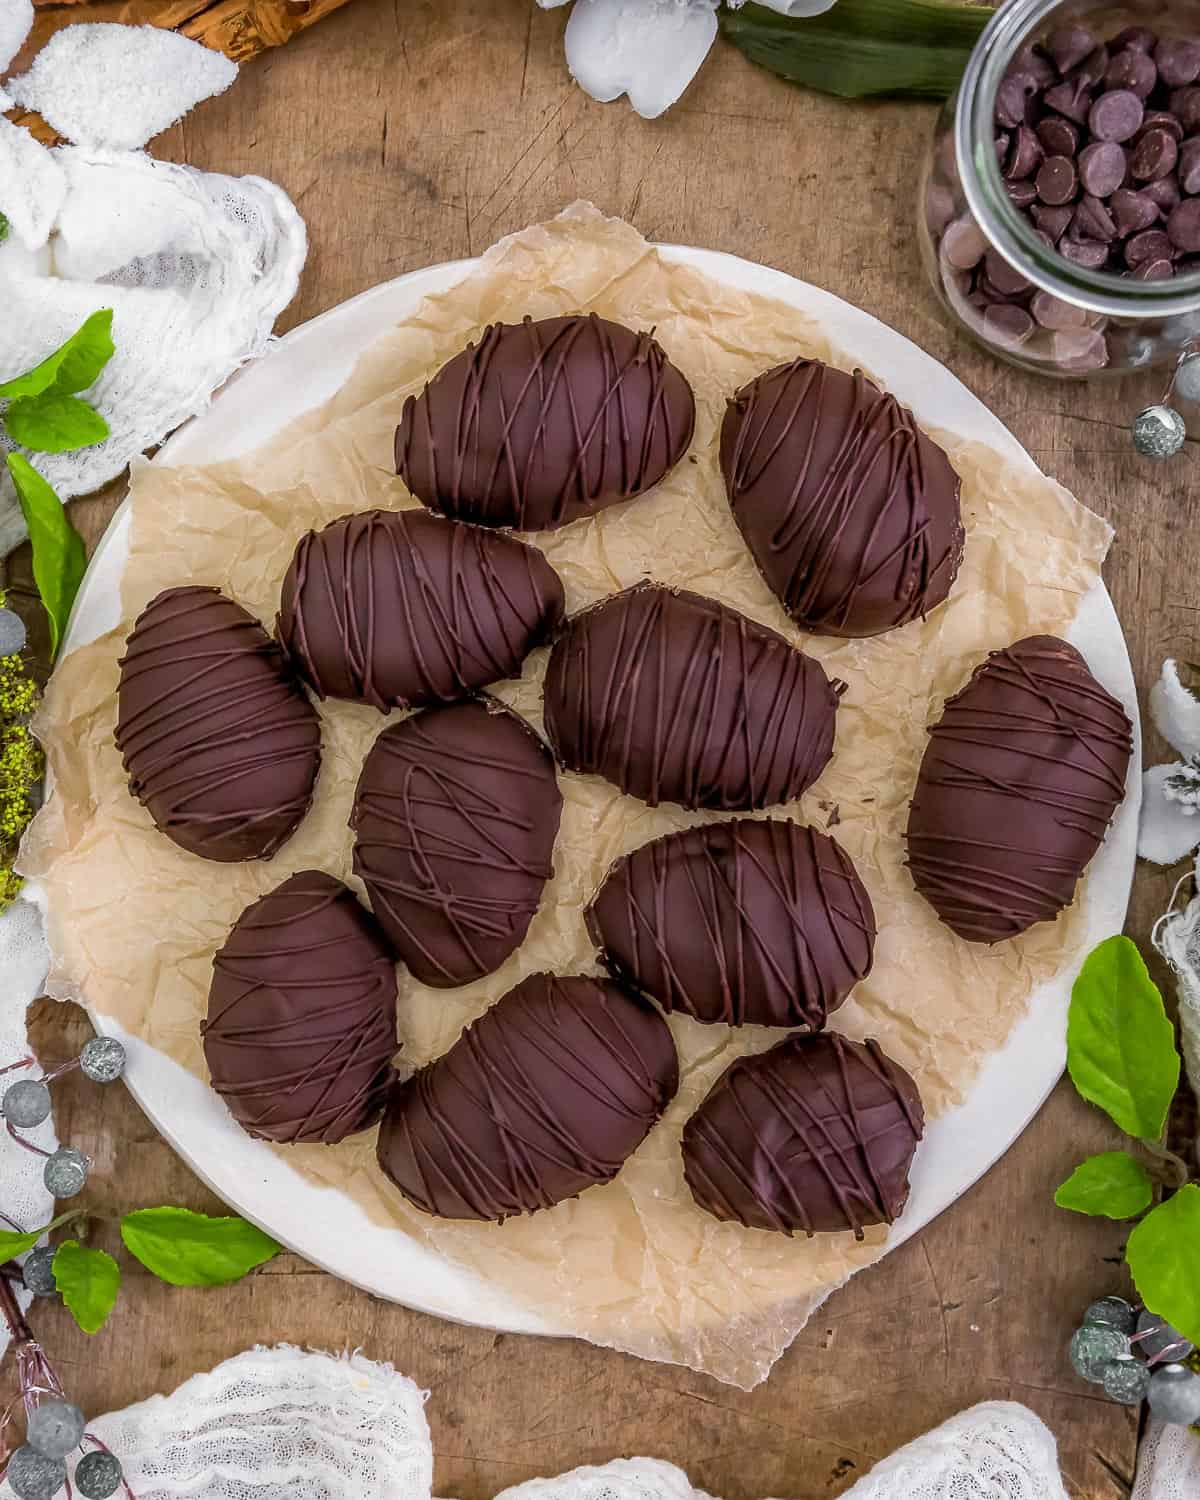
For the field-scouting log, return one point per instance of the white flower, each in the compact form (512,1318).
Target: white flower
(648,49)
(1170,827)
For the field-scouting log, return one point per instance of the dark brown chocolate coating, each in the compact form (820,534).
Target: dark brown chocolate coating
(220,743)
(1019,782)
(750,922)
(455,818)
(401,609)
(542,423)
(301,1027)
(817,1135)
(548,1093)
(677,698)
(850,510)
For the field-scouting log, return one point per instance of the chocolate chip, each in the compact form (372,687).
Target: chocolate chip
(1024,154)
(1178,61)
(1093,68)
(1116,116)
(1183,226)
(1102,168)
(1072,99)
(1151,244)
(1093,221)
(1080,349)
(1160,269)
(1134,71)
(1154,156)
(1189,166)
(1140,38)
(1069,45)
(1011,100)
(1053,221)
(1008,325)
(1023,194)
(1057,181)
(1007,281)
(939,207)
(1029,63)
(963,244)
(1001,143)
(1053,312)
(1058,136)
(1185,104)
(1164,193)
(1132,211)
(1161,119)
(1089,253)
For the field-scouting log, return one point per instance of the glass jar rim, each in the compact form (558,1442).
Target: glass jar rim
(993,210)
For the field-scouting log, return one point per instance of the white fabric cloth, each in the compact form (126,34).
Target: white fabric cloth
(1168,1464)
(1177,937)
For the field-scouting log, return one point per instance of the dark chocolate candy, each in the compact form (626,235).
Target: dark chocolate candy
(548,1093)
(455,818)
(850,510)
(1019,782)
(542,423)
(220,744)
(301,1027)
(400,608)
(817,1134)
(749,922)
(677,698)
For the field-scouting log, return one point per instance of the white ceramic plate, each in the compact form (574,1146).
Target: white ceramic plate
(304,369)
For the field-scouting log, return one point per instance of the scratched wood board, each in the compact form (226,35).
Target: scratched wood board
(416,131)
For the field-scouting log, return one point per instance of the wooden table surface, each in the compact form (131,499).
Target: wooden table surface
(415,131)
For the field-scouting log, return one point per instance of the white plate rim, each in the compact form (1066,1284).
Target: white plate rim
(322,1225)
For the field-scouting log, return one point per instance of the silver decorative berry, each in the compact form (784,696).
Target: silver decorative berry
(1112,1312)
(1127,1381)
(1094,1348)
(1187,378)
(55,1428)
(102,1059)
(33,1476)
(26,1104)
(98,1475)
(1156,1340)
(1158,432)
(65,1172)
(1174,1394)
(12,632)
(38,1272)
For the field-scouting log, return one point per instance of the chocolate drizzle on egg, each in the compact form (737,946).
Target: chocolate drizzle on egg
(1018,785)
(850,511)
(542,423)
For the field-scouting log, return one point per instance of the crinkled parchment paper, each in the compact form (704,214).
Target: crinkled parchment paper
(135,921)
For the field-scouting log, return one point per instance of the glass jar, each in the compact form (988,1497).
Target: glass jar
(1002,279)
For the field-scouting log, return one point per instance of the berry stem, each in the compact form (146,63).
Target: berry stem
(1173,1172)
(28,1145)
(13,1316)
(67,1067)
(25,1062)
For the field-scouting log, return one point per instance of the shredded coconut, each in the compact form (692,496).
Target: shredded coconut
(32,187)
(107,85)
(16,18)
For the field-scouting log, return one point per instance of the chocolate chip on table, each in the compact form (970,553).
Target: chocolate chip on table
(1178,61)
(1102,168)
(1052,312)
(1053,221)
(1116,116)
(1069,45)
(1183,227)
(1072,98)
(1132,211)
(1132,70)
(1151,244)
(1058,136)
(1154,156)
(1024,155)
(1093,221)
(1189,166)
(1057,181)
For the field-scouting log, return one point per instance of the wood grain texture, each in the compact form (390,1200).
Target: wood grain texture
(416,131)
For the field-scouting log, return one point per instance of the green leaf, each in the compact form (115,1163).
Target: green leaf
(1120,1045)
(73,366)
(1113,1185)
(59,558)
(917,48)
(1163,1254)
(89,1281)
(190,1249)
(13,1244)
(3,228)
(52,423)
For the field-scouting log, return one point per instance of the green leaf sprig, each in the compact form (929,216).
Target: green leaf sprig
(59,556)
(174,1244)
(1122,1057)
(44,414)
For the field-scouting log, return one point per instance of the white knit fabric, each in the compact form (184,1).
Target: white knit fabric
(1168,1464)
